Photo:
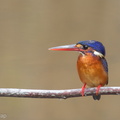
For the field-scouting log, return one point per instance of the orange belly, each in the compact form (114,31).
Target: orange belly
(91,71)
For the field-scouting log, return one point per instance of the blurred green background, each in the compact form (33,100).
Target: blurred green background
(28,28)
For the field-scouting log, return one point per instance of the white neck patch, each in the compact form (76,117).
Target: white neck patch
(98,54)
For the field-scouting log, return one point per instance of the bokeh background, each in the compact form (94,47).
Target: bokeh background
(28,28)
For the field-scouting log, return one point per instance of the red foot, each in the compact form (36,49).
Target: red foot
(83,88)
(98,88)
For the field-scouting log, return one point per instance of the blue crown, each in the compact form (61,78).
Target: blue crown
(98,46)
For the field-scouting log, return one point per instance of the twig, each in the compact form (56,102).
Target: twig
(63,94)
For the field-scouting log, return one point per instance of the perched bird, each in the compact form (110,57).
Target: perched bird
(91,64)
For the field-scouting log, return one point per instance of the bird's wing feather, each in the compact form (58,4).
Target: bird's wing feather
(105,65)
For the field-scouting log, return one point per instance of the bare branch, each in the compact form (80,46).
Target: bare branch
(63,94)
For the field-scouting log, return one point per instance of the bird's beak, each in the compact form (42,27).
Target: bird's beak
(72,47)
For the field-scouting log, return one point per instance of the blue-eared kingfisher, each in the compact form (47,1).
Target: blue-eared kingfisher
(91,64)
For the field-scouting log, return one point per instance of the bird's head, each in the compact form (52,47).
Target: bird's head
(87,46)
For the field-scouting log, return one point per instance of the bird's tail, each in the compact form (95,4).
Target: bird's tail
(97,97)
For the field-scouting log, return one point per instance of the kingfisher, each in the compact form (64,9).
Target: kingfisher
(92,66)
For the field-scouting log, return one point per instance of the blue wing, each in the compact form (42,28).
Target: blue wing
(105,65)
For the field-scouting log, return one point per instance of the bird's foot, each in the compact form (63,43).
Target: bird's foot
(83,89)
(98,89)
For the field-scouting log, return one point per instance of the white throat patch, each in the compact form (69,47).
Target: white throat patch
(82,53)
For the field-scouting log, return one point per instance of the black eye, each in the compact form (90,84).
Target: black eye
(84,47)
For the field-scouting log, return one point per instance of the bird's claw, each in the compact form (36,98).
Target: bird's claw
(83,89)
(98,89)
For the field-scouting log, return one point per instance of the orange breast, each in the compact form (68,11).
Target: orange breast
(91,71)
